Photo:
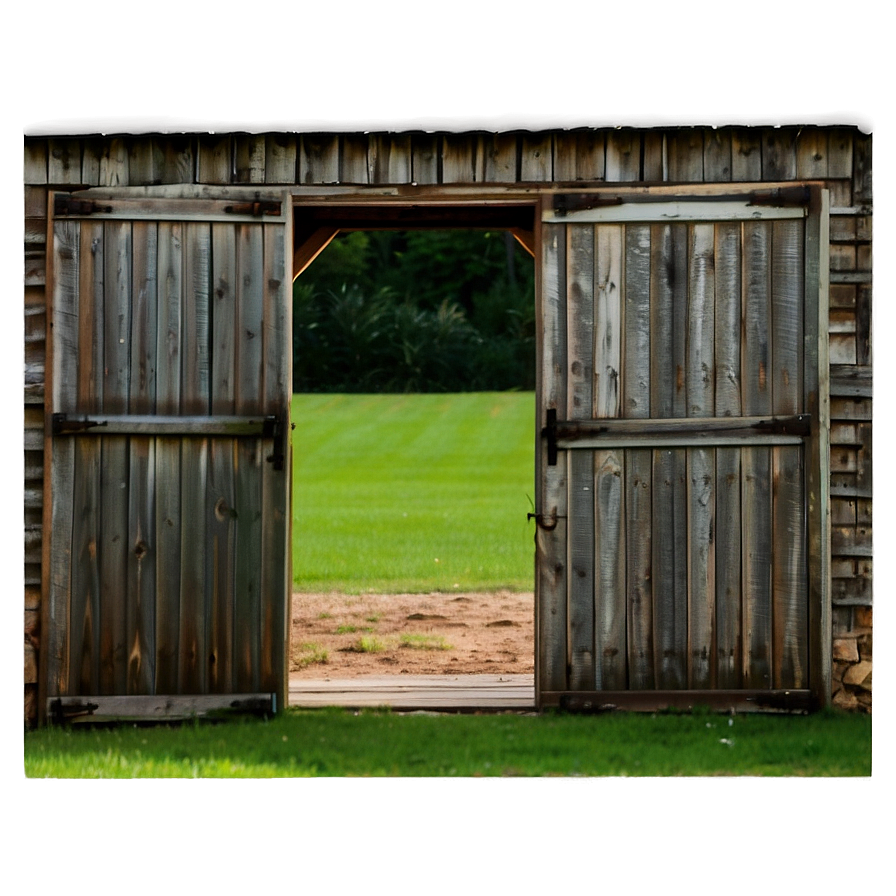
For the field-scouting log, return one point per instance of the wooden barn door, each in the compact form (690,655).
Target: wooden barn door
(168,427)
(682,531)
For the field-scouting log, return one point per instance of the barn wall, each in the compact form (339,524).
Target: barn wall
(841,157)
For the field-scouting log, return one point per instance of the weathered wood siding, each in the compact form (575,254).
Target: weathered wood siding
(838,156)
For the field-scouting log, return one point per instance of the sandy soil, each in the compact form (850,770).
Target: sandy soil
(443,634)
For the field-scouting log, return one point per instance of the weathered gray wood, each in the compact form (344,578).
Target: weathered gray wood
(195,399)
(144,160)
(702,524)
(500,158)
(756,352)
(141,574)
(728,461)
(536,159)
(757,561)
(728,583)
(249,156)
(35,163)
(214,157)
(170,352)
(678,210)
(551,497)
(653,156)
(608,320)
(779,154)
(789,576)
(98,708)
(458,157)
(812,154)
(276,497)
(280,159)
(636,370)
(113,170)
(63,162)
(248,458)
(58,516)
(425,159)
(716,155)
(684,155)
(623,155)
(639,574)
(389,159)
(319,159)
(353,163)
(746,155)
(787,316)
(581,532)
(609,562)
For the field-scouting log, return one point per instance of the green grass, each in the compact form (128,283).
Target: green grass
(413,493)
(338,743)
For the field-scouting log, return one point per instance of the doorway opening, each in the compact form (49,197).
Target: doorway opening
(413,471)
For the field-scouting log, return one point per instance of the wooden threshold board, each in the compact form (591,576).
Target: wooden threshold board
(408,692)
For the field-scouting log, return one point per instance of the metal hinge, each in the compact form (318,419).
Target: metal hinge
(549,431)
(576,202)
(65,204)
(256,208)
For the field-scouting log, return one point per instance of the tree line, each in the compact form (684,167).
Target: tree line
(416,311)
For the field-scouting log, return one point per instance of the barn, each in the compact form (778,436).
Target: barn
(703,426)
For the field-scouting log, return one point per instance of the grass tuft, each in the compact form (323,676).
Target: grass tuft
(425,642)
(308,654)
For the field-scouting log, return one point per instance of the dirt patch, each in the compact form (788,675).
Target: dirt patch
(344,635)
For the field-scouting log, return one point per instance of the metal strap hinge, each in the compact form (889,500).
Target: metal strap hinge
(65,204)
(256,208)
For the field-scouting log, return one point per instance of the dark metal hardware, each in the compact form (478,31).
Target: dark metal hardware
(64,425)
(548,523)
(66,204)
(781,196)
(63,712)
(256,208)
(550,433)
(576,202)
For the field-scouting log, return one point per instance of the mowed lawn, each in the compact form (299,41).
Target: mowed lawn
(413,493)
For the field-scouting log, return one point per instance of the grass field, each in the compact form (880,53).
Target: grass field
(413,493)
(339,743)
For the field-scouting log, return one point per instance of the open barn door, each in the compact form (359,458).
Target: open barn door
(167,520)
(682,548)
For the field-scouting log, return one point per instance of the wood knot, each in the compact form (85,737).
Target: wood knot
(140,550)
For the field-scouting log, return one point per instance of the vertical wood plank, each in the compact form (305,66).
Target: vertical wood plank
(425,158)
(701,461)
(280,159)
(248,453)
(536,159)
(144,161)
(636,368)
(114,646)
(141,590)
(789,582)
(746,155)
(779,154)
(220,523)
(178,162)
(114,164)
(63,162)
(756,461)
(214,158)
(623,159)
(501,158)
(276,497)
(353,164)
(580,351)
(59,511)
(684,155)
(812,153)
(35,165)
(717,155)
(610,652)
(319,160)
(636,387)
(195,396)
(389,159)
(85,609)
(728,460)
(250,152)
(608,320)
(458,159)
(169,355)
(551,534)
(653,156)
